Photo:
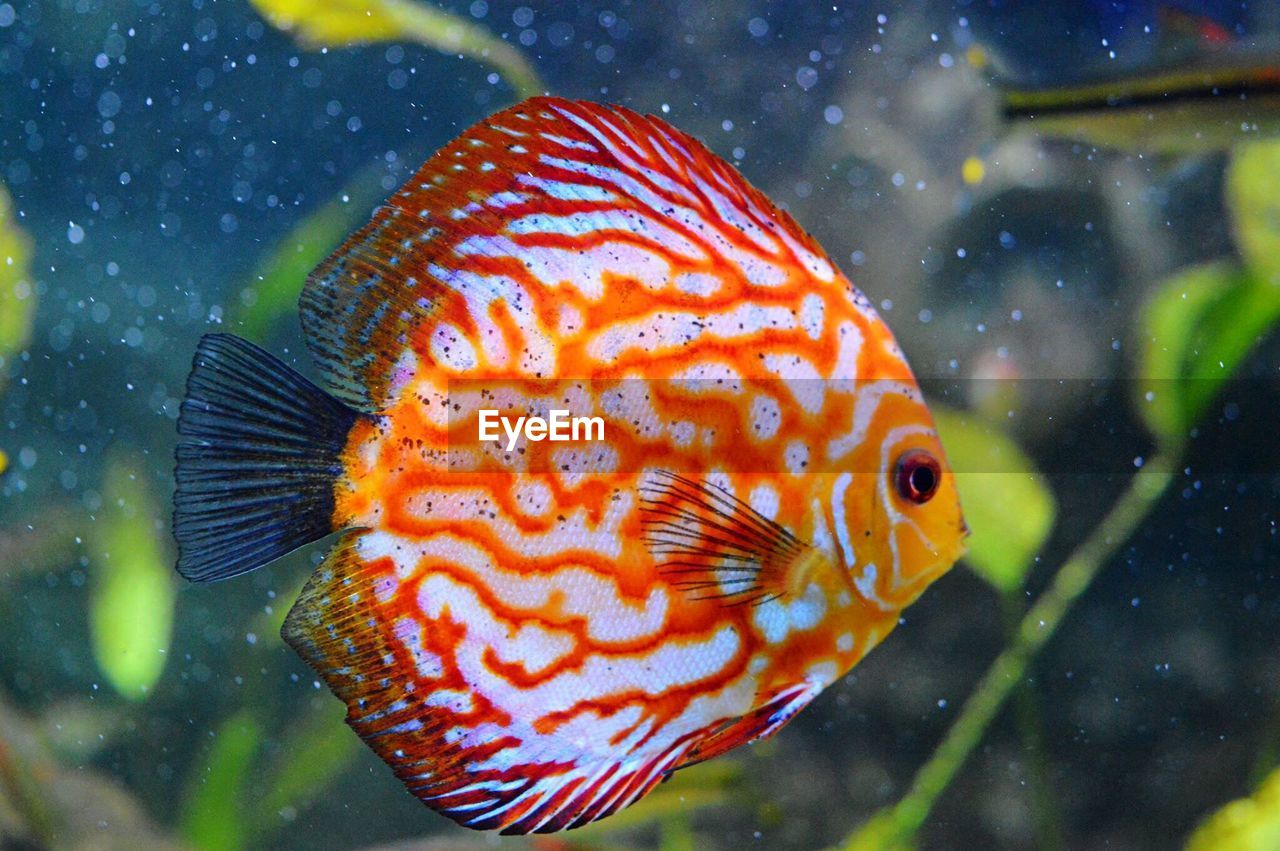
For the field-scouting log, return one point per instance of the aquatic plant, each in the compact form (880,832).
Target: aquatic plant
(1247,824)
(1194,333)
(17,295)
(335,23)
(132,595)
(272,291)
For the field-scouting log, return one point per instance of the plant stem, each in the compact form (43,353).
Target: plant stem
(1036,628)
(1026,705)
(446,32)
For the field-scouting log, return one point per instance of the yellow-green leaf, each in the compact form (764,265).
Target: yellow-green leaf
(131,593)
(315,751)
(1253,198)
(1247,824)
(1195,331)
(1007,504)
(881,832)
(17,295)
(335,23)
(213,817)
(278,280)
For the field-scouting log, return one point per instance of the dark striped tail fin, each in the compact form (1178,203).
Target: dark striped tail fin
(259,452)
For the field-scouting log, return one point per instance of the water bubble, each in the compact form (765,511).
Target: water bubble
(75,233)
(108,104)
(560,34)
(113,45)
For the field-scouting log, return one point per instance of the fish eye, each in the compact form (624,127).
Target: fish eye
(918,476)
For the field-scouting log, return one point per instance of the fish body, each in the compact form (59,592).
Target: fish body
(533,639)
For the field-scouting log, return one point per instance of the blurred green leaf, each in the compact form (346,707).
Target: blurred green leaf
(213,813)
(1007,504)
(131,595)
(314,753)
(17,295)
(677,834)
(1195,331)
(1247,824)
(335,23)
(278,281)
(1253,198)
(878,833)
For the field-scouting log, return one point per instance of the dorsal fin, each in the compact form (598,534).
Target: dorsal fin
(551,177)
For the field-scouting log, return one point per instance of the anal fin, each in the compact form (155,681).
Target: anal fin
(759,724)
(397,672)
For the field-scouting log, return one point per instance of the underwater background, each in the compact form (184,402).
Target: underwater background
(1090,307)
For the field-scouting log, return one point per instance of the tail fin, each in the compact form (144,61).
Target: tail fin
(258,455)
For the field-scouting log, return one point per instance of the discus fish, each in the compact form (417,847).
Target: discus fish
(534,644)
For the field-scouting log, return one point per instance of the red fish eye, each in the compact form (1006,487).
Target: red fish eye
(918,476)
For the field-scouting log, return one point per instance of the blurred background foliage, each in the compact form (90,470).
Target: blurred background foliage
(176,168)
